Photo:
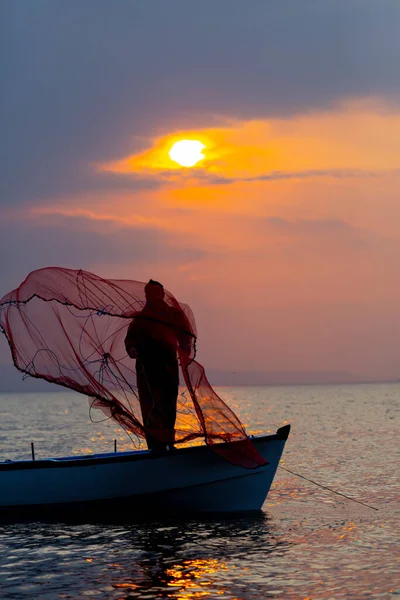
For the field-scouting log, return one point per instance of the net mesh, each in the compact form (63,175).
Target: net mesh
(122,344)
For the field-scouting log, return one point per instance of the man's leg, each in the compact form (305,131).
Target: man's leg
(158,385)
(147,404)
(170,397)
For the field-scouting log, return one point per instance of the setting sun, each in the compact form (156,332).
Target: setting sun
(187,153)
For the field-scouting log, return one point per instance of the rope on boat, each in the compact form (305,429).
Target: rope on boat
(325,487)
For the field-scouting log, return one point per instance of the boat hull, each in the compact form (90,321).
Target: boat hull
(187,480)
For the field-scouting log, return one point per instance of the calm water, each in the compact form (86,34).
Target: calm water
(306,543)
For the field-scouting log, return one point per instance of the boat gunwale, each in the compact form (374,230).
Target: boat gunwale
(132,456)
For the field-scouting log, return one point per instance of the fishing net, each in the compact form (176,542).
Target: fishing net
(122,343)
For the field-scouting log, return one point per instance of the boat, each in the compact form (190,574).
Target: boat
(82,332)
(192,479)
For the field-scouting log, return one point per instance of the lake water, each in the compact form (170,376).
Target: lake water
(307,543)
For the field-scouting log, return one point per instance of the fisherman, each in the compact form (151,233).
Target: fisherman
(154,337)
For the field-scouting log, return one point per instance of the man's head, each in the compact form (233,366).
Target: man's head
(154,291)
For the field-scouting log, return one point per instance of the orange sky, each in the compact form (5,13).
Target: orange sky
(296,221)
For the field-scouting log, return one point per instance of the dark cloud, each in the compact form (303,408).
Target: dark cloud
(134,181)
(91,80)
(79,242)
(310,174)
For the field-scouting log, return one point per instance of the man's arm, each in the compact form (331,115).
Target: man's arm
(185,340)
(131,340)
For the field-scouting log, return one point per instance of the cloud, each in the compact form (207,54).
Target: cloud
(309,226)
(80,242)
(332,241)
(202,177)
(312,174)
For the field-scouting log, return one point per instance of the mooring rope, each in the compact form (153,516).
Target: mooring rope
(325,487)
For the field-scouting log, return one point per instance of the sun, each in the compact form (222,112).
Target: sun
(187,153)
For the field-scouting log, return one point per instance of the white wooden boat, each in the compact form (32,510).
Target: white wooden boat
(193,479)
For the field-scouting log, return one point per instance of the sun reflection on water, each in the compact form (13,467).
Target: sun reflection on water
(192,574)
(185,580)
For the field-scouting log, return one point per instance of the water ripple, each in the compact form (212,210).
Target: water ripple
(307,542)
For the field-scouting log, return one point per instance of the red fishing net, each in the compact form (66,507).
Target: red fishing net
(123,344)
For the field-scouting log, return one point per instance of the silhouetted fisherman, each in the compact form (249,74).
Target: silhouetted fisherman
(153,339)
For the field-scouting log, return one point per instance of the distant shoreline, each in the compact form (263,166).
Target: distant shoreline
(11,380)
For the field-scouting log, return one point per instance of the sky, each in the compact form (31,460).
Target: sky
(284,239)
